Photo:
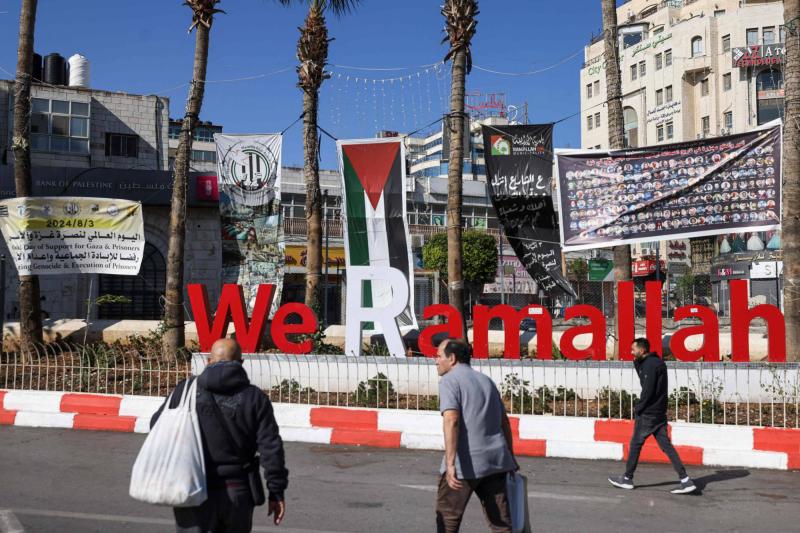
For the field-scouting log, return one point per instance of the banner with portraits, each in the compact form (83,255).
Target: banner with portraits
(249,174)
(675,191)
(519,169)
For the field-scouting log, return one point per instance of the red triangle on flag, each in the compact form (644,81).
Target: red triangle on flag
(372,163)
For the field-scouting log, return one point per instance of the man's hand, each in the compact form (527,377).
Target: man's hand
(452,480)
(278,509)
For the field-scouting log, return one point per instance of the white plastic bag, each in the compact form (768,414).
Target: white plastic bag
(170,469)
(517,493)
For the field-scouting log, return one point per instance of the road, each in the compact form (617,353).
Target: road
(72,481)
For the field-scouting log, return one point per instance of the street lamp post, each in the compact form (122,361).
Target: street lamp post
(327,260)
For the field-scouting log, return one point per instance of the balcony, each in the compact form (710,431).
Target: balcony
(296,227)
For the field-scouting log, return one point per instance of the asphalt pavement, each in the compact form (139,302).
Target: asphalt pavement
(72,481)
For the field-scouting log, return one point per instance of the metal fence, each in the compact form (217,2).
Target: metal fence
(104,369)
(757,394)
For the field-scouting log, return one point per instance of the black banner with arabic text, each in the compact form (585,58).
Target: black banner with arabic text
(519,162)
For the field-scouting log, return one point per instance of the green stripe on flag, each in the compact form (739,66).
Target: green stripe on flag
(357,226)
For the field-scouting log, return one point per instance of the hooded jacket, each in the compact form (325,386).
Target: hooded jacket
(653,377)
(250,422)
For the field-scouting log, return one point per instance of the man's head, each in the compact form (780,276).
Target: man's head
(641,347)
(451,352)
(225,350)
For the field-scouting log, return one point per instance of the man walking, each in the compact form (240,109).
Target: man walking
(477,438)
(651,418)
(236,422)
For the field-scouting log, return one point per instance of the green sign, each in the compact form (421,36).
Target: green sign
(601,270)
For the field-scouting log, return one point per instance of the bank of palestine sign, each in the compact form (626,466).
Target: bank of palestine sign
(675,191)
(519,163)
(68,235)
(249,174)
(375,230)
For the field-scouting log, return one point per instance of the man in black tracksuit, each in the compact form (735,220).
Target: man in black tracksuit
(651,418)
(236,422)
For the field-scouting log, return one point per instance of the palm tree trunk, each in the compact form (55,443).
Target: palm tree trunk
(791,180)
(30,319)
(455,122)
(174,335)
(313,202)
(616,133)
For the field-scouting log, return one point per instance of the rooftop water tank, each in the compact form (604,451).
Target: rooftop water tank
(54,69)
(36,73)
(78,71)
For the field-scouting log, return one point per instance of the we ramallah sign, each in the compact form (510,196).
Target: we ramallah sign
(250,330)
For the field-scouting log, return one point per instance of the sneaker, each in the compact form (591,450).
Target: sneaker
(621,482)
(685,487)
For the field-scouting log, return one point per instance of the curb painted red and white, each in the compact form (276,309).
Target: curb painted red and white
(537,436)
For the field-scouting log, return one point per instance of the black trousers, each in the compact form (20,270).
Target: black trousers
(643,428)
(227,510)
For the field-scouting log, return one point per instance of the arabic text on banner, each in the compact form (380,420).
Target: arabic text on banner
(691,189)
(519,163)
(249,171)
(67,235)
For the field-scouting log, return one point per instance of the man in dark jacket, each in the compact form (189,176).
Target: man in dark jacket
(236,422)
(651,418)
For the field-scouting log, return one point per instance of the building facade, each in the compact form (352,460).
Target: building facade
(693,69)
(203,157)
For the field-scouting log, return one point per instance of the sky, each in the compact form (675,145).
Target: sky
(143,47)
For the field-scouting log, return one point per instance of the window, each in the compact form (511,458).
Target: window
(769,35)
(719,12)
(782,34)
(728,120)
(697,46)
(660,133)
(704,87)
(726,82)
(589,91)
(631,127)
(659,61)
(144,289)
(208,156)
(597,87)
(752,36)
(597,120)
(706,125)
(122,145)
(659,96)
(589,122)
(59,126)
(726,43)
(668,93)
(634,71)
(642,69)
(174,131)
(670,130)
(668,58)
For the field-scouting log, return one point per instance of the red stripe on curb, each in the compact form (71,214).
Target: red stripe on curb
(6,416)
(526,447)
(355,437)
(104,423)
(621,431)
(90,404)
(779,440)
(347,419)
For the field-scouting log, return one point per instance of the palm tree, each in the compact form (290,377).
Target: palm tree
(460,23)
(791,179)
(30,315)
(312,52)
(616,132)
(203,12)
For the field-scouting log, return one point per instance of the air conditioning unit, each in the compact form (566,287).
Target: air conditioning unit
(417,241)
(723,131)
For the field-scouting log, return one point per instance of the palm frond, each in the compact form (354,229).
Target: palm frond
(203,12)
(337,7)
